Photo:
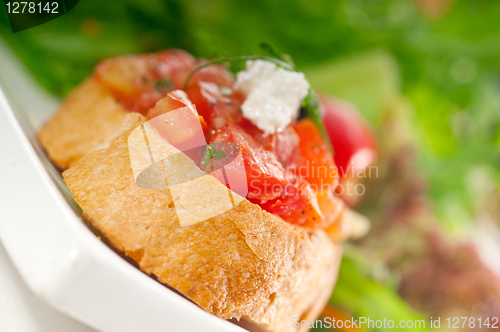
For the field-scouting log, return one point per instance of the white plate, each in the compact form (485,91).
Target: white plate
(21,311)
(58,257)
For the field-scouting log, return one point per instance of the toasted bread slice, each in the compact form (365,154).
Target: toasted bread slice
(244,263)
(87,118)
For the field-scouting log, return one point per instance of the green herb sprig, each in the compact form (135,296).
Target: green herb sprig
(211,153)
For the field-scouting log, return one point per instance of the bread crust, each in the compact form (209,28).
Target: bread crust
(87,118)
(245,262)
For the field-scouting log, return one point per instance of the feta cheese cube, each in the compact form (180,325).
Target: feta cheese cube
(274,95)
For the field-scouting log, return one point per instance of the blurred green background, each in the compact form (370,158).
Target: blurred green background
(437,60)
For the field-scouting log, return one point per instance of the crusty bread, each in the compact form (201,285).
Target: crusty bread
(87,118)
(245,263)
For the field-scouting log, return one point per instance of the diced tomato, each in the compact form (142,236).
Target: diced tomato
(138,82)
(174,100)
(297,205)
(269,184)
(190,128)
(316,163)
(208,87)
(330,206)
(308,165)
(266,176)
(284,144)
(177,61)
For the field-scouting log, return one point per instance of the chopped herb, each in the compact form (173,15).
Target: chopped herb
(206,157)
(220,154)
(225,91)
(211,153)
(164,84)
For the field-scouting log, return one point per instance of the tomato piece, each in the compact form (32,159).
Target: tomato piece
(284,144)
(352,139)
(316,163)
(297,205)
(266,177)
(208,87)
(174,100)
(269,185)
(138,82)
(330,206)
(189,129)
(178,62)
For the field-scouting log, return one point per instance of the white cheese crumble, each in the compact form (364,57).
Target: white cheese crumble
(273,94)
